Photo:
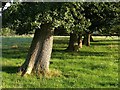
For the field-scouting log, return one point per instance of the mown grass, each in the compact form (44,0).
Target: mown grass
(92,67)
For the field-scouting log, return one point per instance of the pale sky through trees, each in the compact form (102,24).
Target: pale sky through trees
(0,12)
(6,6)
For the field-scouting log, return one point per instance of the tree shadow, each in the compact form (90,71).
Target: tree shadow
(106,42)
(115,40)
(14,53)
(63,55)
(87,53)
(60,41)
(103,44)
(10,69)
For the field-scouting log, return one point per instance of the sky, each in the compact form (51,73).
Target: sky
(6,6)
(0,12)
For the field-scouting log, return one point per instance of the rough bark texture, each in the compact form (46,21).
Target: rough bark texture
(40,51)
(73,44)
(86,40)
(80,41)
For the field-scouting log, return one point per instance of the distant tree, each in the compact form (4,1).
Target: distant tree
(75,23)
(102,15)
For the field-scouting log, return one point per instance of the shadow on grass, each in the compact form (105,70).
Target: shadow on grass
(10,69)
(14,53)
(70,55)
(99,44)
(115,40)
(106,42)
(87,53)
(21,52)
(60,41)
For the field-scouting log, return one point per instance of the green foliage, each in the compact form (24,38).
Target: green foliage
(24,17)
(116,29)
(76,17)
(60,31)
(7,32)
(102,15)
(74,20)
(92,67)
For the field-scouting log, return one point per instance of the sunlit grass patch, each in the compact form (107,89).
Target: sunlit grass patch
(91,67)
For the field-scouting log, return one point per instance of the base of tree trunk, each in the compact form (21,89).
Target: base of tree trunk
(73,43)
(75,48)
(86,40)
(80,41)
(38,57)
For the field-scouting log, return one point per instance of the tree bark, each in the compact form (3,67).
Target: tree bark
(73,44)
(80,40)
(40,52)
(86,40)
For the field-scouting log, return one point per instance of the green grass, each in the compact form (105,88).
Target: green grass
(92,67)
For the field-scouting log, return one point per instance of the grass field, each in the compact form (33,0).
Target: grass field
(92,67)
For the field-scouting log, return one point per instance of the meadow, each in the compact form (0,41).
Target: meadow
(91,67)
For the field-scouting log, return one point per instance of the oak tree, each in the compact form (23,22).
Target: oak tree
(43,18)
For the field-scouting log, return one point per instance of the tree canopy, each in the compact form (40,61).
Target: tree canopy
(24,17)
(103,15)
(74,16)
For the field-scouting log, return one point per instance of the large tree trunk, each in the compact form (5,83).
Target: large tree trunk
(73,44)
(80,41)
(40,52)
(86,40)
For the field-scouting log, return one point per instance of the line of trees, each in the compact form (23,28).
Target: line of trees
(77,18)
